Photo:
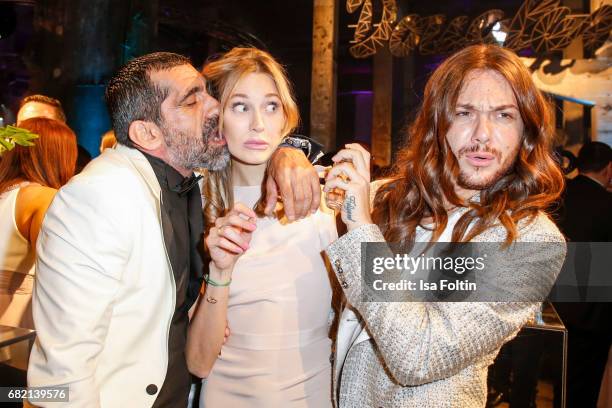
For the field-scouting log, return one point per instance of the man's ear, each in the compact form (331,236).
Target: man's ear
(145,134)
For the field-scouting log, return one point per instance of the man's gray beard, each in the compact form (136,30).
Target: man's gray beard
(192,153)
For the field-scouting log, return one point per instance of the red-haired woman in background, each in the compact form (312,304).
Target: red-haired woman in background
(29,179)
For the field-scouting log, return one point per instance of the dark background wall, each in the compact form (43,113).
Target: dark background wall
(69,48)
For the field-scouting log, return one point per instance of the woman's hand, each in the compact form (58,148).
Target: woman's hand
(230,238)
(354,163)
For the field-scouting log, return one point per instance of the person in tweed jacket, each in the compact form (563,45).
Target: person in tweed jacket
(478,167)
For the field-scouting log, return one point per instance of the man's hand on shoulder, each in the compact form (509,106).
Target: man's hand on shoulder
(294,178)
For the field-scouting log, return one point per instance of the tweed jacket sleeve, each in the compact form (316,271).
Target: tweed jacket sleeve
(421,342)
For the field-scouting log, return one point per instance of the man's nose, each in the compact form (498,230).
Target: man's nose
(211,107)
(482,131)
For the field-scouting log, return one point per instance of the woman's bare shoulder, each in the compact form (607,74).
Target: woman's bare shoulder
(34,197)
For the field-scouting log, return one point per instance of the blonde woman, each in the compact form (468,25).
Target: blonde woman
(268,281)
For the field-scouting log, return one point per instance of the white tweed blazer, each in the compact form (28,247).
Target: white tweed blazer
(429,354)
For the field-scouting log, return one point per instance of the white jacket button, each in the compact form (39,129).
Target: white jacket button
(151,389)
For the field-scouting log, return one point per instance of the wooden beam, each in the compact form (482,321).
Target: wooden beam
(323,88)
(382,107)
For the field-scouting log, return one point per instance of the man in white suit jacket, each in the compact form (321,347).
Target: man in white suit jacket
(107,297)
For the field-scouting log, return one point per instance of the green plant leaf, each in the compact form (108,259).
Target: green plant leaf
(26,143)
(5,144)
(12,135)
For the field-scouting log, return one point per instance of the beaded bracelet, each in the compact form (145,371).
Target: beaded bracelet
(211,282)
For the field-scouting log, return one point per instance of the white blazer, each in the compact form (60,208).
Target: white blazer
(105,292)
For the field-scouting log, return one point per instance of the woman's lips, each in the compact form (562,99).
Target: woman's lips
(256,144)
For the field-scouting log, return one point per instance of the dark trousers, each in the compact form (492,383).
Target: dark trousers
(587,354)
(12,377)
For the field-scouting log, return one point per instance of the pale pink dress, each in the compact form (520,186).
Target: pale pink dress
(278,353)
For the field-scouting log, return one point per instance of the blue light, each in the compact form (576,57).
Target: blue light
(89,116)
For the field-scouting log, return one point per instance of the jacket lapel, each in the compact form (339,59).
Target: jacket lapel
(143,167)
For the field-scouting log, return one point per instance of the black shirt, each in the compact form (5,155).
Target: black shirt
(585,215)
(182,224)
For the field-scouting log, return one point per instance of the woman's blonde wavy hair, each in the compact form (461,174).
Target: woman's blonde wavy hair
(222,75)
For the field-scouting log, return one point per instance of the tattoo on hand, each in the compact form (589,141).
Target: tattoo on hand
(350,206)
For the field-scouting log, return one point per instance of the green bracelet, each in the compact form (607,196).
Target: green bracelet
(215,283)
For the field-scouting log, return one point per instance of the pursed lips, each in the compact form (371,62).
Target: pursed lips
(480,159)
(256,144)
(218,139)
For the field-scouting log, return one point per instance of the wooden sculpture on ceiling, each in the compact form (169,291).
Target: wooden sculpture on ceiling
(597,29)
(366,45)
(554,30)
(543,25)
(414,32)
(476,29)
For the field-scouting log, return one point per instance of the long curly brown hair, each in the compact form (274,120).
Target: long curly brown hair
(426,170)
